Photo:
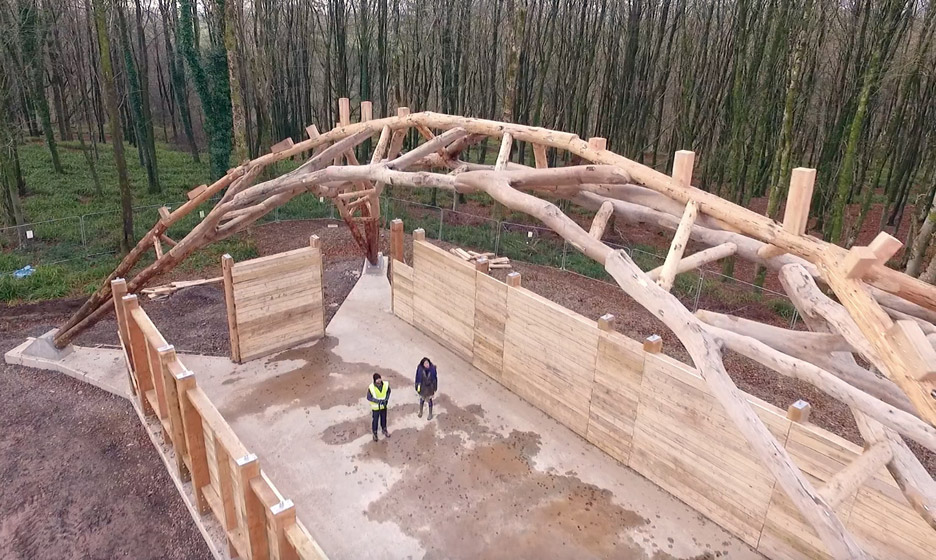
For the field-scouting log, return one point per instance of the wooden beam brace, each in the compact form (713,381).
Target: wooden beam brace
(705,354)
(847,481)
(601,220)
(677,247)
(901,421)
(911,477)
(908,334)
(884,246)
(193,194)
(426,148)
(539,156)
(157,246)
(168,240)
(900,359)
(859,261)
(282,145)
(356,194)
(699,259)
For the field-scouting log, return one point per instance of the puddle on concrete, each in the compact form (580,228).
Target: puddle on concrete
(487,499)
(324,380)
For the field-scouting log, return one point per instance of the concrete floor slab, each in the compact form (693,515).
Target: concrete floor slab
(489,477)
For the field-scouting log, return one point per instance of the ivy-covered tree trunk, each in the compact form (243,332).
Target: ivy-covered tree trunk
(146,111)
(209,71)
(232,22)
(32,32)
(101,8)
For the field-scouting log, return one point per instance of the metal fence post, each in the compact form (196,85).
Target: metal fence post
(565,246)
(84,239)
(497,239)
(794,318)
(698,295)
(441,221)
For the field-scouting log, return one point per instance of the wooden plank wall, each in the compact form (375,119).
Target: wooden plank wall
(490,322)
(685,443)
(278,301)
(444,297)
(225,477)
(402,291)
(549,357)
(648,411)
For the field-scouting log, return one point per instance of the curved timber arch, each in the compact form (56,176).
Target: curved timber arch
(881,314)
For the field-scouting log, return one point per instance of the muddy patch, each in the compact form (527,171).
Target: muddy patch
(467,491)
(324,380)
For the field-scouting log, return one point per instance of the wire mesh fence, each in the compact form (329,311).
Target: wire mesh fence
(93,235)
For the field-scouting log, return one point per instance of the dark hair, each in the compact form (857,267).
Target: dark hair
(425,359)
(376,376)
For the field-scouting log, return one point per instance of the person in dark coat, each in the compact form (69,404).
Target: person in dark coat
(378,394)
(427,383)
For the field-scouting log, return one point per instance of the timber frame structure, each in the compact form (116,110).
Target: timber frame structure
(885,317)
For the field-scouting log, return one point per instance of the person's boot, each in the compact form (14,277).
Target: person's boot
(430,413)
(421,403)
(385,433)
(375,436)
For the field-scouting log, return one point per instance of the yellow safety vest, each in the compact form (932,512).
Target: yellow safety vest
(378,394)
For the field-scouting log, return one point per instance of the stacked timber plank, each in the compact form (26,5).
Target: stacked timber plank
(172,287)
(473,256)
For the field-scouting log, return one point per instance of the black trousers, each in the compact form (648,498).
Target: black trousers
(381,416)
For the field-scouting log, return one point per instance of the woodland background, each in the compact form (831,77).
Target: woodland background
(754,87)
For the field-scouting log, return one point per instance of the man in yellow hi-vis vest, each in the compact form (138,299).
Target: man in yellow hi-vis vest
(378,393)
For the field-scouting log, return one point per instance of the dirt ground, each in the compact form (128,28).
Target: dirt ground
(81,477)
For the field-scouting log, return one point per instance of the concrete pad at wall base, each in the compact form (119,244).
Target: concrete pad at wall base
(102,367)
(44,347)
(379,268)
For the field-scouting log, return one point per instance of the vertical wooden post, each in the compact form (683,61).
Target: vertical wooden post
(503,155)
(799,411)
(167,362)
(653,344)
(683,162)
(344,111)
(253,523)
(118,291)
(226,492)
(513,279)
(678,246)
(483,265)
(799,198)
(606,322)
(141,370)
(194,440)
(282,515)
(396,241)
(539,156)
(315,242)
(155,367)
(419,234)
(227,265)
(367,111)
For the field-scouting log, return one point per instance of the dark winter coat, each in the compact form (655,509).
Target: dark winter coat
(427,380)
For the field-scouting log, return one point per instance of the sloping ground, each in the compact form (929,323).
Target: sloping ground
(80,476)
